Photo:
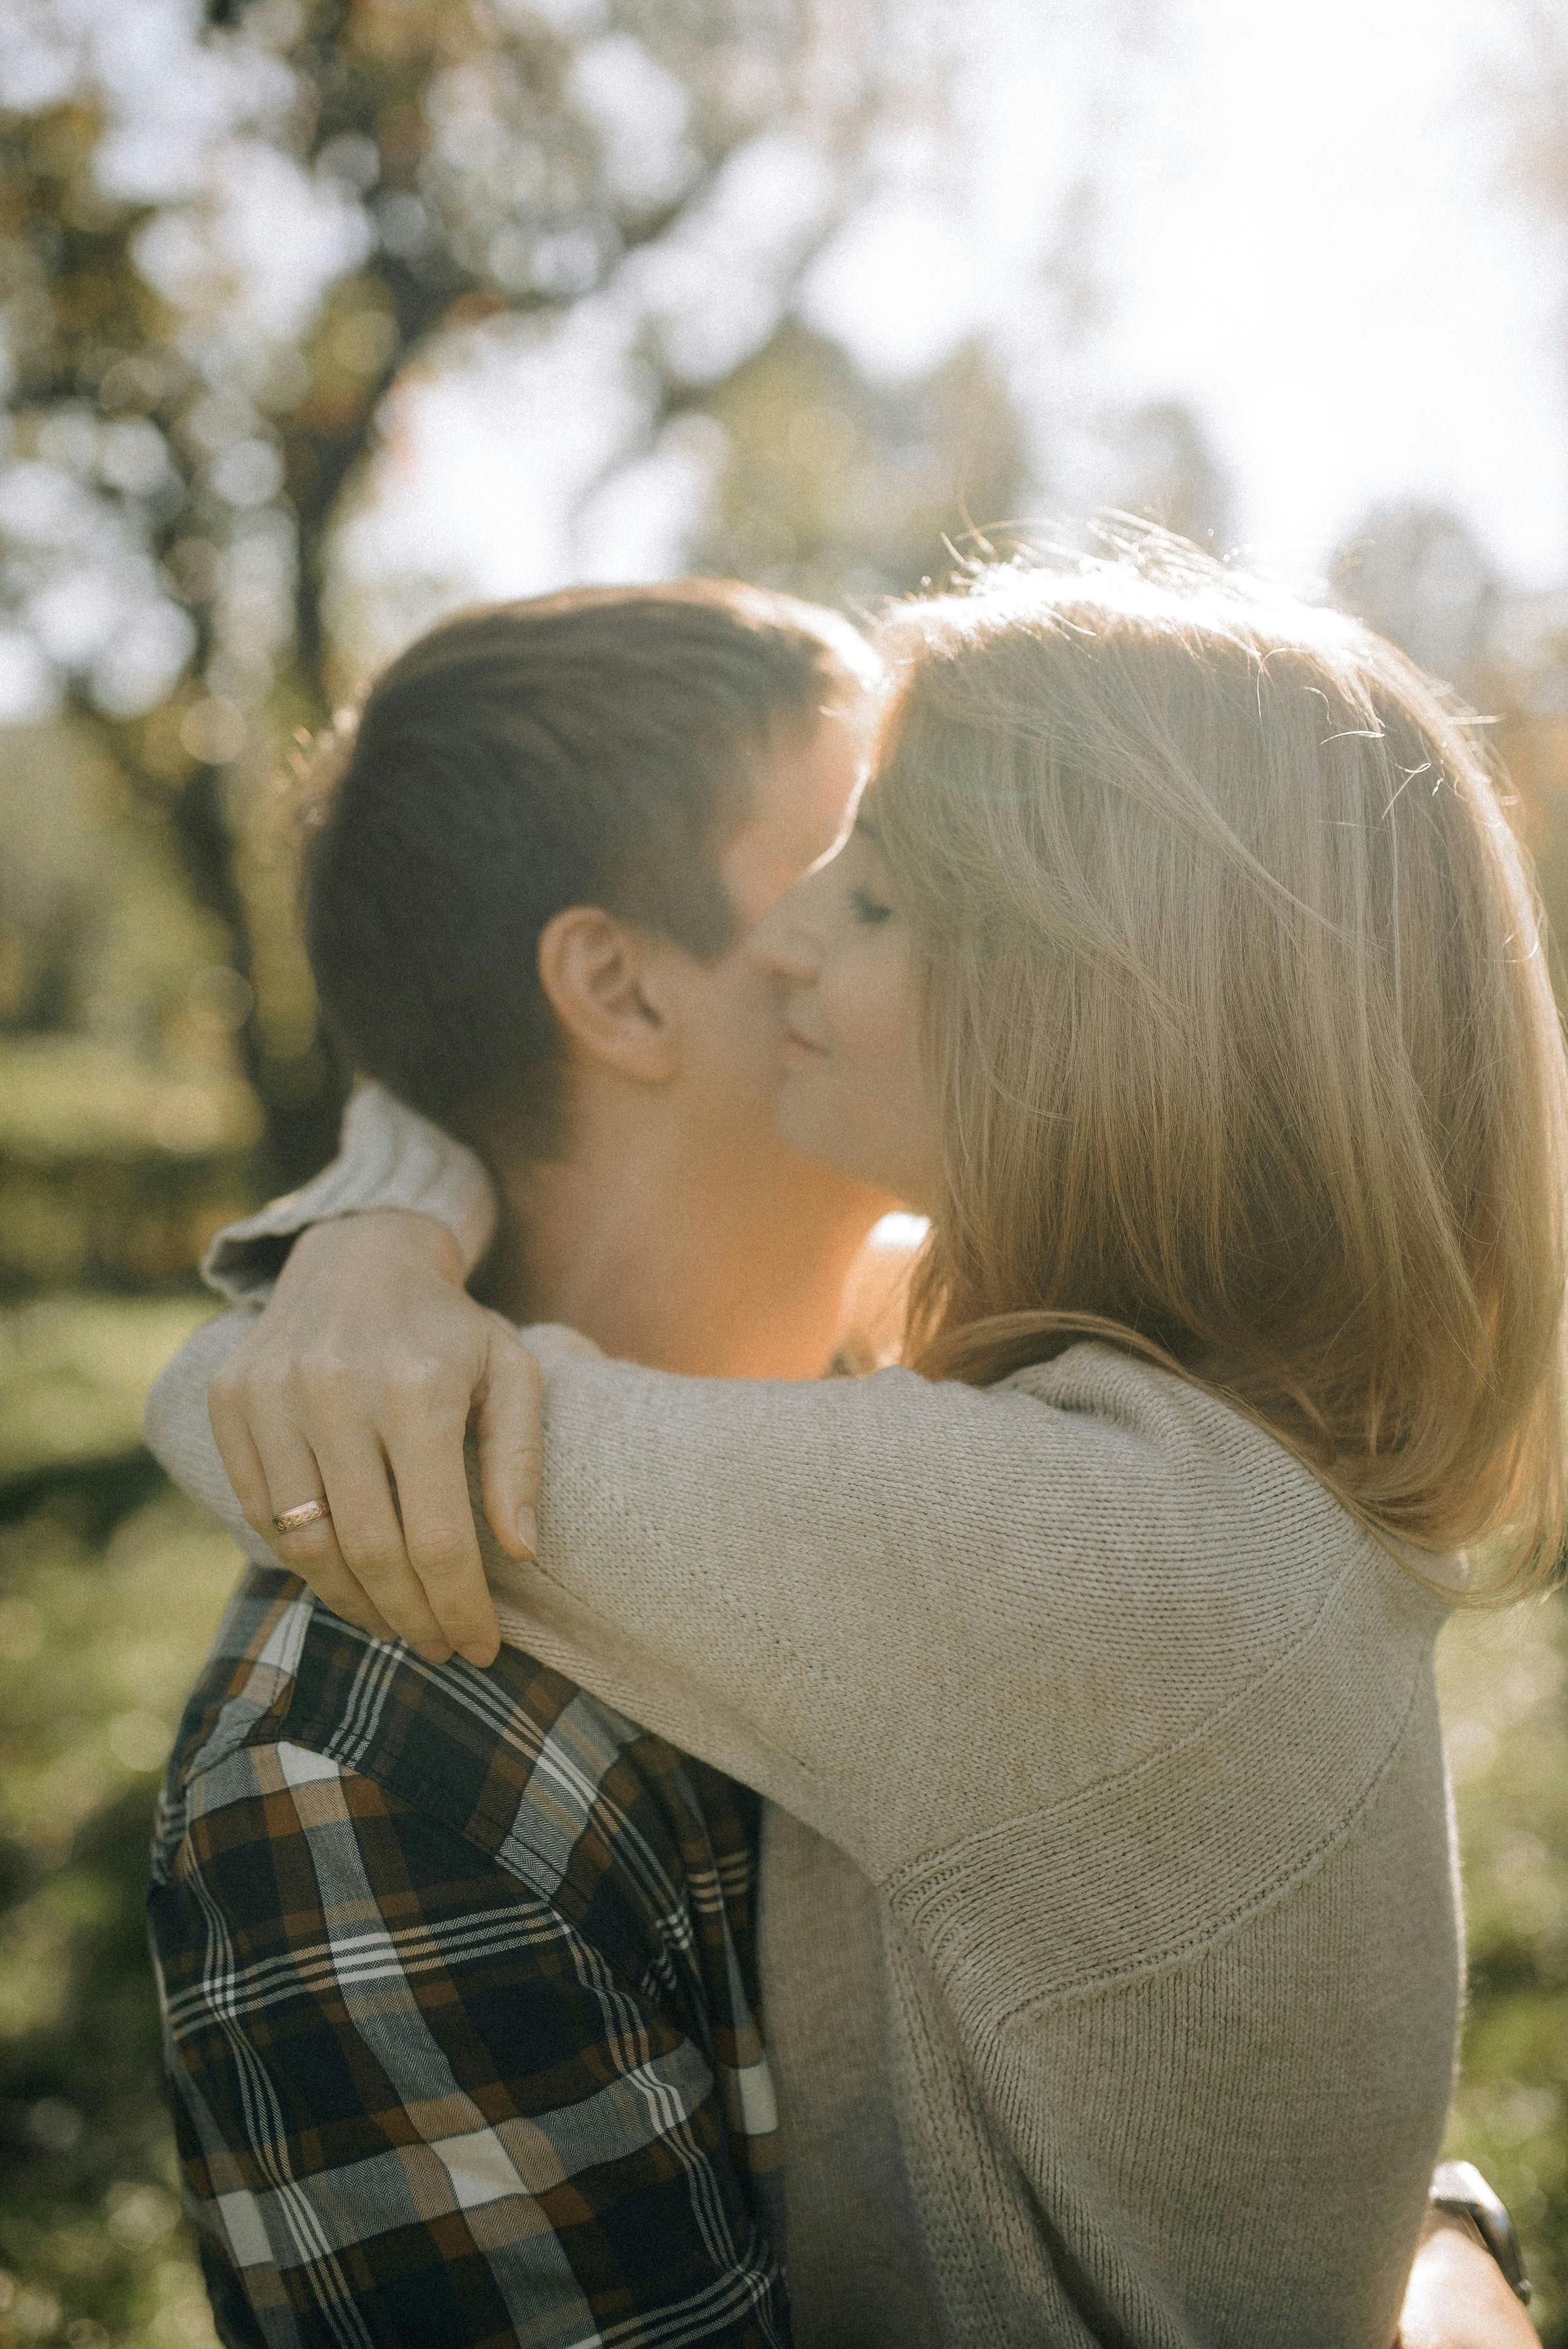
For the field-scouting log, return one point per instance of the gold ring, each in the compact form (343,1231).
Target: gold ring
(309,1513)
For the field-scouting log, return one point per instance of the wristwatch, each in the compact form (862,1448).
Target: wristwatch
(1460,2187)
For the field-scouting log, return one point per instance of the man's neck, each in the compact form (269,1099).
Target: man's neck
(686,1259)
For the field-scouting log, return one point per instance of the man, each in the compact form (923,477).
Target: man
(458,1967)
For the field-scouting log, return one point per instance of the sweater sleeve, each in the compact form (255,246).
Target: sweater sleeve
(906,1611)
(909,1610)
(764,1573)
(180,1433)
(389,1156)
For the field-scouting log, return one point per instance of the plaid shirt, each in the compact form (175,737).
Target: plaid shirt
(459,1997)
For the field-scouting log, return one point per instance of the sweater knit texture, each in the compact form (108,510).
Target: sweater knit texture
(1110,1938)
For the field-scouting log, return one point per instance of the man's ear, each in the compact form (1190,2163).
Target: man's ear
(602,982)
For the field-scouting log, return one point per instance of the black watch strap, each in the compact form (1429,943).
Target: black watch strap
(1458,2186)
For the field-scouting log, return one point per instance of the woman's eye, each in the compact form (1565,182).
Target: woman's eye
(867,908)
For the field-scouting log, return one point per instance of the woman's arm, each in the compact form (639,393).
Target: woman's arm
(786,1578)
(680,1646)
(368,1350)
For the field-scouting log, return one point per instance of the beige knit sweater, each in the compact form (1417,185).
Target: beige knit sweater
(1110,1933)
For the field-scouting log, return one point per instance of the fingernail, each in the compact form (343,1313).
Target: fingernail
(528,1531)
(431,1653)
(476,1654)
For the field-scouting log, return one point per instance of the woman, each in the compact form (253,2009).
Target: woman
(1183,970)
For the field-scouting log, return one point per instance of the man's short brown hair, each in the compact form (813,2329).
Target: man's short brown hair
(589,748)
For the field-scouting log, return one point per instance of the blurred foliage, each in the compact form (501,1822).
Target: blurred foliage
(74,1375)
(835,490)
(232,242)
(223,245)
(109,1589)
(127,1128)
(1504,1681)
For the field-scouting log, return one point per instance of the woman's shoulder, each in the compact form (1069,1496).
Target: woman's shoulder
(1170,1434)
(1235,1637)
(1096,1482)
(1185,1437)
(1206,1524)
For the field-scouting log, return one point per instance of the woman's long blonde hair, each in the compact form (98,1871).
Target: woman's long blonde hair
(1247,1053)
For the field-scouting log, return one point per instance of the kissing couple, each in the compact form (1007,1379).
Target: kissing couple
(907,1808)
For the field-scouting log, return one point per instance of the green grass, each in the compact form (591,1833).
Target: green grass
(110,1587)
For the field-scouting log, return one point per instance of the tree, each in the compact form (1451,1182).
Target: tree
(830,486)
(224,241)
(1419,574)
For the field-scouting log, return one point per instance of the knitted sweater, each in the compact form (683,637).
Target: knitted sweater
(1111,1938)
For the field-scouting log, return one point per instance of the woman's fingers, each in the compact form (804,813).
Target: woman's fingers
(346,1415)
(332,1582)
(293,1478)
(370,1539)
(241,1459)
(427,1465)
(511,1451)
(353,1559)
(314,1552)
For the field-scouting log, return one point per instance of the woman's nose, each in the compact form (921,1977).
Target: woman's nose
(784,944)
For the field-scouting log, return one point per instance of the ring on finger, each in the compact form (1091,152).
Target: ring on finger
(309,1513)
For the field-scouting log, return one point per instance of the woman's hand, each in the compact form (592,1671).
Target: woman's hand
(358,1384)
(1457,2298)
